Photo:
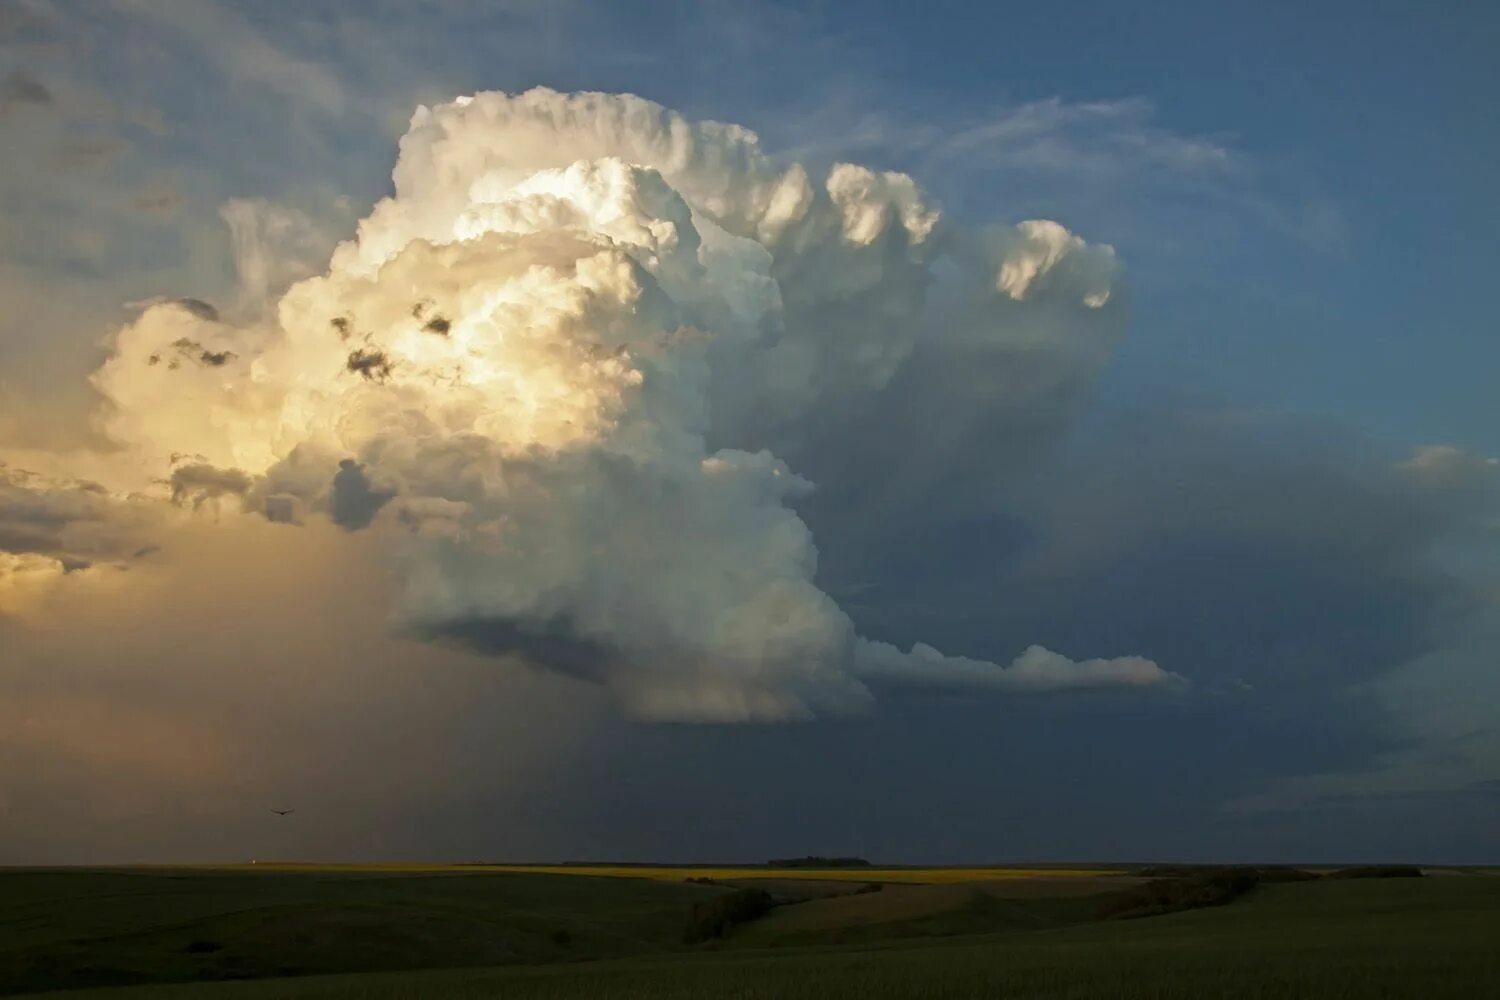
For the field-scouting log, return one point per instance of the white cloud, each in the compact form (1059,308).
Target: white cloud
(1038,252)
(509,380)
(1095,137)
(1445,468)
(274,245)
(1036,669)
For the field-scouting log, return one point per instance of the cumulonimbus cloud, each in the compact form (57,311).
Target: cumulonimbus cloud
(546,377)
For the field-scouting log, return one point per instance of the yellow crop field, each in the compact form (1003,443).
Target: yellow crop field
(914,875)
(675,873)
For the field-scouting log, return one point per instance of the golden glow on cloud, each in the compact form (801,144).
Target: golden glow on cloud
(511,376)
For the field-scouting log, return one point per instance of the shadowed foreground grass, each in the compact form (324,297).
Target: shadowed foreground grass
(78,928)
(1427,938)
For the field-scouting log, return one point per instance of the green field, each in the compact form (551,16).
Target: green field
(549,936)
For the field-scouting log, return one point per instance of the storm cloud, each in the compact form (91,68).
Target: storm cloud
(638,313)
(952,414)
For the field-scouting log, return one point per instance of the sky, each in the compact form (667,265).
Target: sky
(938,433)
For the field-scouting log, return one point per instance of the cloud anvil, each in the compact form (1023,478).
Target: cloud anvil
(551,375)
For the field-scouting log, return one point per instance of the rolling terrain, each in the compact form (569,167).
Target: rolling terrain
(433,931)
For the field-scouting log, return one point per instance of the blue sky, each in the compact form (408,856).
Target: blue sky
(1330,270)
(1304,200)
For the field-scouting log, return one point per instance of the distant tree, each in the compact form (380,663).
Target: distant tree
(1168,895)
(1378,871)
(718,916)
(1265,873)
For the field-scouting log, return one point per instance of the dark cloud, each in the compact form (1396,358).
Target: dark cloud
(374,365)
(282,508)
(553,645)
(354,502)
(35,513)
(74,522)
(961,420)
(1281,566)
(199,308)
(187,349)
(199,482)
(22,88)
(162,199)
(1170,515)
(91,151)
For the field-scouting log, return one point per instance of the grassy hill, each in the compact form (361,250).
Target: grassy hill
(77,928)
(1430,938)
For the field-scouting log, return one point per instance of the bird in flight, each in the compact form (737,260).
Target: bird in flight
(283,812)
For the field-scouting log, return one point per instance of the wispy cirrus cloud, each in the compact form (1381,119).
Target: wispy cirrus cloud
(1101,138)
(243,53)
(1113,166)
